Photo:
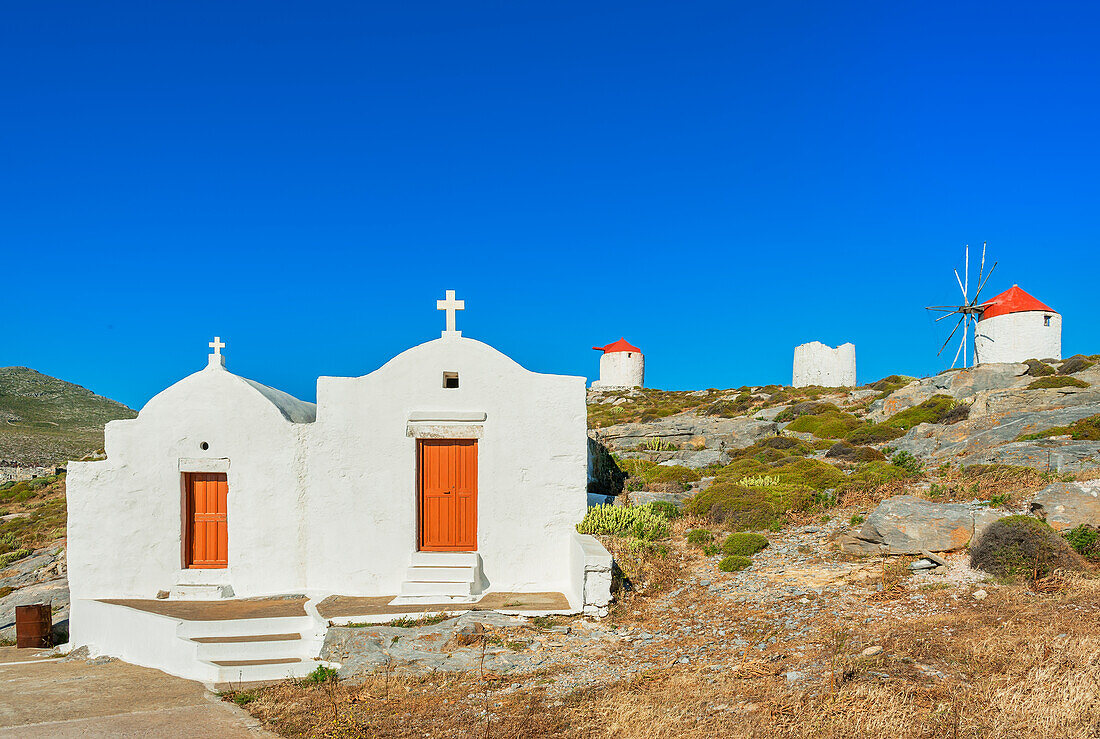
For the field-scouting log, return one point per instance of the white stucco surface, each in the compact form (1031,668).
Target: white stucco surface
(1015,337)
(323,499)
(818,364)
(621,369)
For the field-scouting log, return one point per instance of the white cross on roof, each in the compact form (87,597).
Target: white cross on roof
(217,346)
(450,305)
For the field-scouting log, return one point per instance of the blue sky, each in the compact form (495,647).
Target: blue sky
(717,182)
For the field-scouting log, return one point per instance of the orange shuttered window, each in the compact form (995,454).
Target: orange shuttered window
(448,494)
(207,536)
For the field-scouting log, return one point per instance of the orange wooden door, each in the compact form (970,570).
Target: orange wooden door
(448,495)
(207,536)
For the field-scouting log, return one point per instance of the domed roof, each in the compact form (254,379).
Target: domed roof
(1012,300)
(622,345)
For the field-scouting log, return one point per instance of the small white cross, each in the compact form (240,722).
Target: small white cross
(217,346)
(450,305)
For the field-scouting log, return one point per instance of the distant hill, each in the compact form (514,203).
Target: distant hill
(44,420)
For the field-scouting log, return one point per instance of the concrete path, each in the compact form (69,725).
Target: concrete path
(55,698)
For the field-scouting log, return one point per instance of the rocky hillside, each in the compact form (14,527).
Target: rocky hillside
(44,420)
(1040,415)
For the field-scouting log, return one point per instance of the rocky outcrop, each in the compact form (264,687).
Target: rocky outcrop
(908,525)
(991,437)
(688,433)
(962,384)
(1067,505)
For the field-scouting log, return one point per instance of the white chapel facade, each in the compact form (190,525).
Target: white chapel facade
(449,473)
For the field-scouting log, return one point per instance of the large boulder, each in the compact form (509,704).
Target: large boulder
(1067,505)
(908,525)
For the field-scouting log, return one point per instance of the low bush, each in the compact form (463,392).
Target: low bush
(733,563)
(889,384)
(12,556)
(907,462)
(1085,540)
(934,410)
(1056,382)
(874,474)
(643,522)
(744,544)
(856,520)
(878,433)
(1022,546)
(1076,363)
(848,452)
(700,538)
(833,424)
(1035,368)
(743,508)
(664,508)
(320,675)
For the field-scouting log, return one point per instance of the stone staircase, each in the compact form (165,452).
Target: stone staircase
(441,577)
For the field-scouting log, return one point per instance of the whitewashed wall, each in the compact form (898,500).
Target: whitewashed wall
(621,369)
(330,505)
(818,364)
(532,458)
(1015,337)
(125,522)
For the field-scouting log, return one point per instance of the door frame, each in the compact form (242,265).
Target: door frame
(420,443)
(188,516)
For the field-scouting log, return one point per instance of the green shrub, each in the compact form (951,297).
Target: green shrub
(1085,540)
(1076,363)
(320,675)
(1035,368)
(742,508)
(642,522)
(874,474)
(700,537)
(7,559)
(1056,382)
(878,433)
(744,544)
(934,410)
(856,520)
(664,508)
(848,452)
(1022,546)
(829,425)
(675,473)
(734,563)
(889,384)
(907,462)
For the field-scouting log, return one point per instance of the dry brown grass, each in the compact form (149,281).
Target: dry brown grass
(1019,664)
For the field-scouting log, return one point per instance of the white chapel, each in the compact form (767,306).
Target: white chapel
(449,478)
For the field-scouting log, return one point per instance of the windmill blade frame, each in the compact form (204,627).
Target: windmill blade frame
(949,336)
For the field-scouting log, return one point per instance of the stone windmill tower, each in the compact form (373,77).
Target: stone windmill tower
(622,365)
(1010,327)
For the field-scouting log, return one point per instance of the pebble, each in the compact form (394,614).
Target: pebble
(979,595)
(871,651)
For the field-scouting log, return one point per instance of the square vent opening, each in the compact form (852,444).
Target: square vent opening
(450,379)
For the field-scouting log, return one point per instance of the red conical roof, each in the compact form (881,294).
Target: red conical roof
(1012,300)
(622,345)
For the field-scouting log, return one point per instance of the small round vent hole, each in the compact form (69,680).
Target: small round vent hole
(204,446)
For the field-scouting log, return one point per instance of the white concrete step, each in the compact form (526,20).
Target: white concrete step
(445,602)
(442,574)
(247,671)
(419,587)
(446,559)
(260,647)
(304,625)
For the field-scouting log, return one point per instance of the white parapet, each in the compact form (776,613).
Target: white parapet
(818,364)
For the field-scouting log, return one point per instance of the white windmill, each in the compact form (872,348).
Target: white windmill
(969,312)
